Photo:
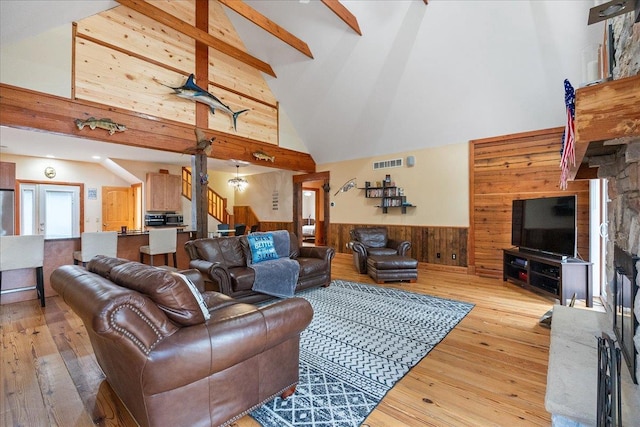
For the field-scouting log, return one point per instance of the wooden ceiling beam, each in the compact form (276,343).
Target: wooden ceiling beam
(162,17)
(36,111)
(343,14)
(266,24)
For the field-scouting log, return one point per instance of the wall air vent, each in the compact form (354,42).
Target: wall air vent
(385,164)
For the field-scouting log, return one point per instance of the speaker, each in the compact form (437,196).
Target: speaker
(411,161)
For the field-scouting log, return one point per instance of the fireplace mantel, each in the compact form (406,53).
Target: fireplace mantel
(606,116)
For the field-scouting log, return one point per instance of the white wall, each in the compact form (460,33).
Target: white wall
(41,62)
(262,192)
(92,175)
(438,185)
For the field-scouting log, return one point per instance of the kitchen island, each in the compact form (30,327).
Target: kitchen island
(59,252)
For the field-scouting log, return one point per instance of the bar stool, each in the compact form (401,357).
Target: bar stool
(96,243)
(240,229)
(18,252)
(161,241)
(223,230)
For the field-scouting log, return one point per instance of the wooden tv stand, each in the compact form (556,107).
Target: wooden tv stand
(551,276)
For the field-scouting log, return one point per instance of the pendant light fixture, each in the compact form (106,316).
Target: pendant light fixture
(239,184)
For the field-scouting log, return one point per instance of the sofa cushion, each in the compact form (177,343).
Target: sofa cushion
(208,249)
(232,252)
(102,265)
(169,290)
(381,251)
(262,247)
(372,237)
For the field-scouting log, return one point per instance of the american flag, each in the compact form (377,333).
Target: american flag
(568,152)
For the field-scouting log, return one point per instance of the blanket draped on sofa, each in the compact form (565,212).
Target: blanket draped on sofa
(277,277)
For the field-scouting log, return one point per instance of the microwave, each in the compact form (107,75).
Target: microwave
(173,219)
(154,220)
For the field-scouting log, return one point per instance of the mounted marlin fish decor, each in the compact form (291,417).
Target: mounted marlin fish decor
(190,90)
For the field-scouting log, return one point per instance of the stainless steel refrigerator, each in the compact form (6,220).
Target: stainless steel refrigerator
(7,214)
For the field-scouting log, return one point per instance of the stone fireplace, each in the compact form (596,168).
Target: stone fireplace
(622,170)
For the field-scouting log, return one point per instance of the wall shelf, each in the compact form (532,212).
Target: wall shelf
(390,196)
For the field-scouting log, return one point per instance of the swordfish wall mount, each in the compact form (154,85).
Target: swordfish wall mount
(191,91)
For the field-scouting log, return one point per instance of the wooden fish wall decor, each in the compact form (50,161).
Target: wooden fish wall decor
(193,92)
(106,124)
(261,155)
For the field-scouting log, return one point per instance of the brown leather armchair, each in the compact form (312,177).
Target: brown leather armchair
(175,359)
(373,241)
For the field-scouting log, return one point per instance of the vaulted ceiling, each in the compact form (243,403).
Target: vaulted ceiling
(420,75)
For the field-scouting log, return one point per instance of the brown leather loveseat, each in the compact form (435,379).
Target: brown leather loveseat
(178,356)
(225,264)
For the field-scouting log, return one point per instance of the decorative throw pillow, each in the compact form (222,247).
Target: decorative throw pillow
(262,247)
(196,294)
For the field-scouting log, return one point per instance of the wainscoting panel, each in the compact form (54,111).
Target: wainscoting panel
(426,242)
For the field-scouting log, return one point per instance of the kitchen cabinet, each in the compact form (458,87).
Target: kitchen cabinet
(163,192)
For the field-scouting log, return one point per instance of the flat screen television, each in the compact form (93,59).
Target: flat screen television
(546,225)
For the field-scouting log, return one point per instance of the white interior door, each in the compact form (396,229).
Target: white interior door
(52,210)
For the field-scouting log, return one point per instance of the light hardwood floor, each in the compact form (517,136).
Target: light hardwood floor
(489,371)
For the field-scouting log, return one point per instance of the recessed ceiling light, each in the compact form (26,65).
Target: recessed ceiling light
(609,10)
(50,156)
(96,157)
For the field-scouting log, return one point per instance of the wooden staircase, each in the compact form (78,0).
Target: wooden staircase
(216,204)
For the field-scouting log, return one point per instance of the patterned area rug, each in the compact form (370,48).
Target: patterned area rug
(361,341)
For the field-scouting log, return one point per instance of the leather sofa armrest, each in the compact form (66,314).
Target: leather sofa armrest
(325,253)
(201,265)
(286,319)
(215,272)
(358,247)
(402,246)
(359,256)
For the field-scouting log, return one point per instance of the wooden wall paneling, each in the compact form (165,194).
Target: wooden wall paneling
(260,123)
(276,225)
(512,167)
(426,242)
(114,78)
(141,36)
(143,91)
(225,73)
(138,35)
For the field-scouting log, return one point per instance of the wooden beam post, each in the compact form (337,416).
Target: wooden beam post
(200,172)
(344,14)
(201,183)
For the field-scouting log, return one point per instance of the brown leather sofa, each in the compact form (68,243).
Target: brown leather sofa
(366,241)
(223,263)
(168,363)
